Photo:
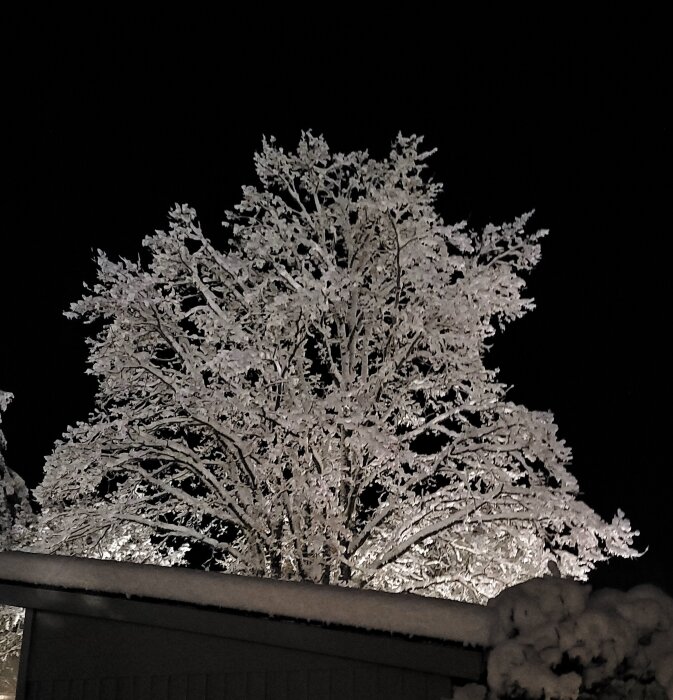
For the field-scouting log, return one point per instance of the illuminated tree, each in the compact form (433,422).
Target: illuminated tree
(308,398)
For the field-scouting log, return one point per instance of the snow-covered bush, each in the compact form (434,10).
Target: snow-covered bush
(556,639)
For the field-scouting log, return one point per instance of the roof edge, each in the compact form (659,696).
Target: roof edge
(402,613)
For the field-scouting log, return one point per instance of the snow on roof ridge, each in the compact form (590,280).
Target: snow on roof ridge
(390,612)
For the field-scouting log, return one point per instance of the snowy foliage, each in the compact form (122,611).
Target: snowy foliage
(307,398)
(15,518)
(15,510)
(558,641)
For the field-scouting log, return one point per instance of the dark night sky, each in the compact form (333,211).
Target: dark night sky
(109,129)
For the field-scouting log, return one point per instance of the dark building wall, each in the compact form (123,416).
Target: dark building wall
(88,658)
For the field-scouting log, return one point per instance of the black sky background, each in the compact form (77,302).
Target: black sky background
(110,126)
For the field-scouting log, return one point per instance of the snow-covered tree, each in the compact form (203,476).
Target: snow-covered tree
(15,510)
(15,519)
(307,398)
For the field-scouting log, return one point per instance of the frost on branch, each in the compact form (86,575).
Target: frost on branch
(307,399)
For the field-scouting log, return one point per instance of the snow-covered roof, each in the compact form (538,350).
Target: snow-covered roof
(375,610)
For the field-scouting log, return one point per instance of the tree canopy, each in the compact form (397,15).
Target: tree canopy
(306,397)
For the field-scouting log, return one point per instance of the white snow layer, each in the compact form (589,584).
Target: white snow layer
(533,628)
(375,610)
(543,622)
